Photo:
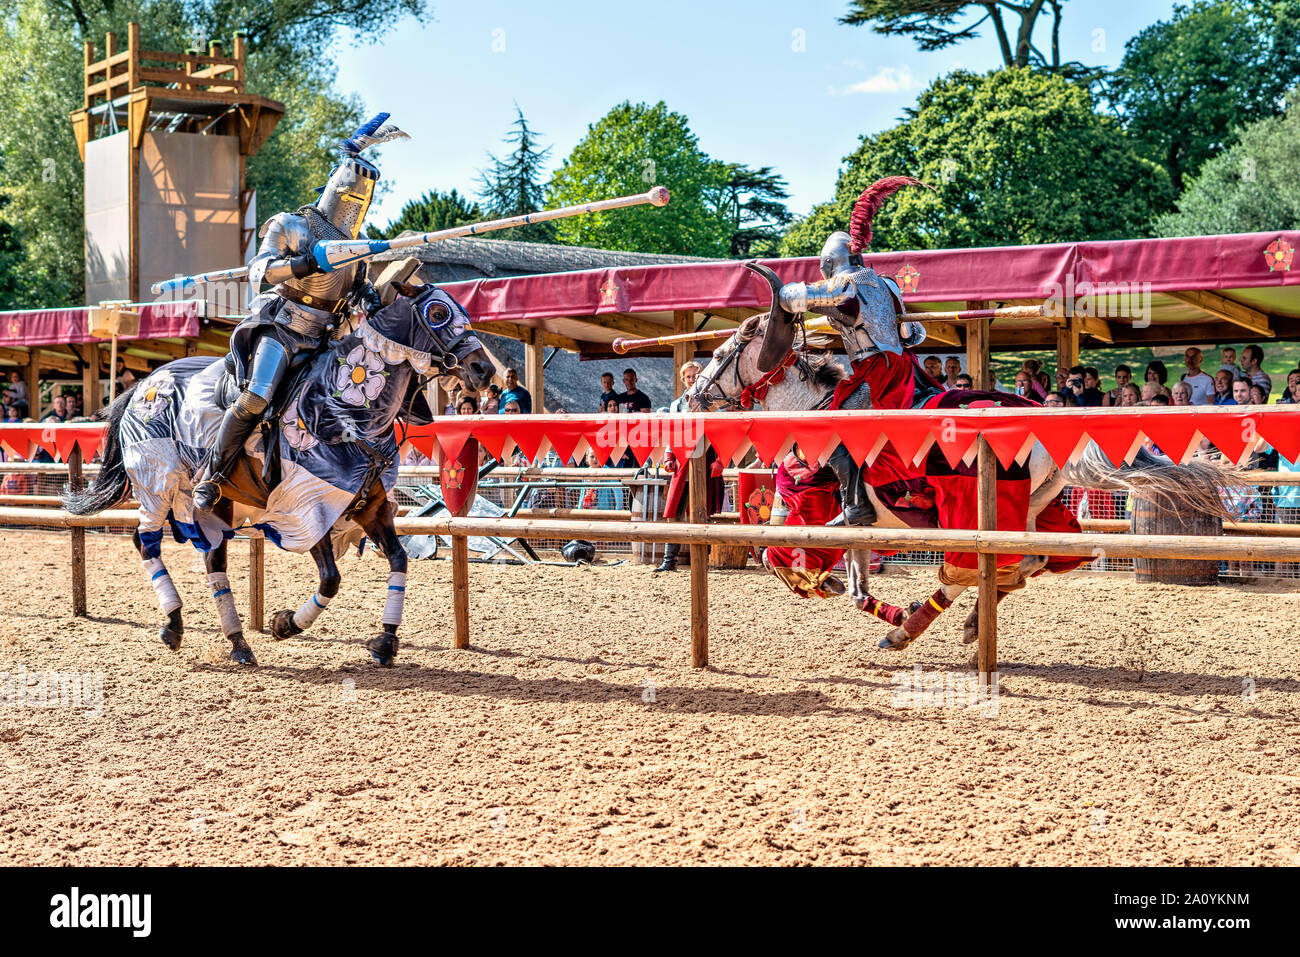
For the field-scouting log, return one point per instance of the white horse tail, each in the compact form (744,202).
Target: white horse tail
(1197,485)
(112,483)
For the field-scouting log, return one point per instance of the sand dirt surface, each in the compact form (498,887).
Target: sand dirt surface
(1134,724)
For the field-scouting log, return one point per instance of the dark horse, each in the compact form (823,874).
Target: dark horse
(330,458)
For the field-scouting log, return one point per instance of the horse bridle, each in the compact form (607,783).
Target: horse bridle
(726,402)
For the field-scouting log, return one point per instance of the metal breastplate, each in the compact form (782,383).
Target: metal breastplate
(323,291)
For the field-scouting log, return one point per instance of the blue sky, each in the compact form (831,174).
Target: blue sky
(762,83)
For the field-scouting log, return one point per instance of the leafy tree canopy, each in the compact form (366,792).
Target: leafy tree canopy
(1015,156)
(630,149)
(1253,186)
(432,211)
(513,186)
(1186,82)
(41,71)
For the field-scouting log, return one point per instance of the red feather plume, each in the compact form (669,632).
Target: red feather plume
(864,210)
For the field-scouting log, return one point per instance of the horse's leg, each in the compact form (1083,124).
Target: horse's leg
(215,562)
(287,623)
(169,601)
(377,520)
(922,617)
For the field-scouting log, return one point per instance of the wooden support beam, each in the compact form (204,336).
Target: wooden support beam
(633,326)
(76,483)
(1229,310)
(91,400)
(942,333)
(699,512)
(987,519)
(534,375)
(32,376)
(978,363)
(1098,328)
(1067,344)
(512,330)
(257,583)
(683,352)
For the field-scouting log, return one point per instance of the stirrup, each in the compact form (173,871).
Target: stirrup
(206,495)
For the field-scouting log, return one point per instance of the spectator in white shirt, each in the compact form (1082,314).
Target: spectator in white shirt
(1202,385)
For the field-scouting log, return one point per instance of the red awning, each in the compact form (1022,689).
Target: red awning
(998,273)
(54,327)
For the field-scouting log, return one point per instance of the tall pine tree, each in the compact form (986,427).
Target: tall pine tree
(512,186)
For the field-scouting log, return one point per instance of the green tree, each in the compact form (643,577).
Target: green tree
(751,201)
(432,211)
(630,149)
(513,186)
(1185,83)
(939,24)
(41,72)
(1016,157)
(1253,186)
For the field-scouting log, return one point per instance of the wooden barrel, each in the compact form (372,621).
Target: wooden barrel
(728,556)
(1151,518)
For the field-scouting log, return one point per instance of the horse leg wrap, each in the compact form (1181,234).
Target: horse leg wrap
(226,609)
(168,599)
(310,610)
(890,614)
(396,598)
(923,617)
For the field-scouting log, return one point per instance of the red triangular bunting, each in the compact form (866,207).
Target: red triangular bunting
(529,437)
(452,436)
(1172,432)
(1060,443)
(492,439)
(1229,432)
(90,440)
(564,439)
(908,435)
(1282,431)
(768,436)
(1116,437)
(1007,437)
(64,440)
(955,438)
(727,435)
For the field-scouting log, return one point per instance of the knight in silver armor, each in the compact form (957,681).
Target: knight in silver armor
(864,306)
(306,305)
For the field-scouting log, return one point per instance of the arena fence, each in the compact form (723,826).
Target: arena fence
(988,435)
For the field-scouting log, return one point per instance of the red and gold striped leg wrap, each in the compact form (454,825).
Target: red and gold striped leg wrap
(930,609)
(890,614)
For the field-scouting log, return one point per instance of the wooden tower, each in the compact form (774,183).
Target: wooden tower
(164,138)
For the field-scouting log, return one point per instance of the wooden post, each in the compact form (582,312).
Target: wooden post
(90,397)
(534,375)
(683,352)
(75,483)
(32,376)
(699,511)
(1067,345)
(257,583)
(987,490)
(460,590)
(978,364)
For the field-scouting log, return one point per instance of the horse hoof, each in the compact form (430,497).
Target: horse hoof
(833,585)
(969,635)
(240,653)
(170,637)
(283,626)
(383,648)
(896,640)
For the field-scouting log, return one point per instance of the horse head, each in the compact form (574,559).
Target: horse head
(436,328)
(735,378)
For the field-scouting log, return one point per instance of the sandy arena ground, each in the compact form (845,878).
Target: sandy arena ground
(576,733)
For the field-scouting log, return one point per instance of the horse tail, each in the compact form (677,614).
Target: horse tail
(1198,485)
(112,483)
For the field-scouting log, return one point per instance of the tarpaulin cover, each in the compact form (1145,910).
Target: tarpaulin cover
(51,327)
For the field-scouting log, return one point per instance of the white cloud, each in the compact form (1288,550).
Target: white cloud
(887,79)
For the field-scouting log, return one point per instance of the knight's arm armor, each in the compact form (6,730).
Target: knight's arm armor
(285,253)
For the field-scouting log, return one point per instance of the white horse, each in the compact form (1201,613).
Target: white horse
(736,365)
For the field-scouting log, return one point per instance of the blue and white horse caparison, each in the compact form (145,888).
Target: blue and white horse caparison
(334,451)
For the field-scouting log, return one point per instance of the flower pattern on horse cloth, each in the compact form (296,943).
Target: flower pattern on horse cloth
(360,378)
(153,394)
(294,428)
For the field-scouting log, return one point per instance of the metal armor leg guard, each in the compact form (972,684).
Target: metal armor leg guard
(270,359)
(858,509)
